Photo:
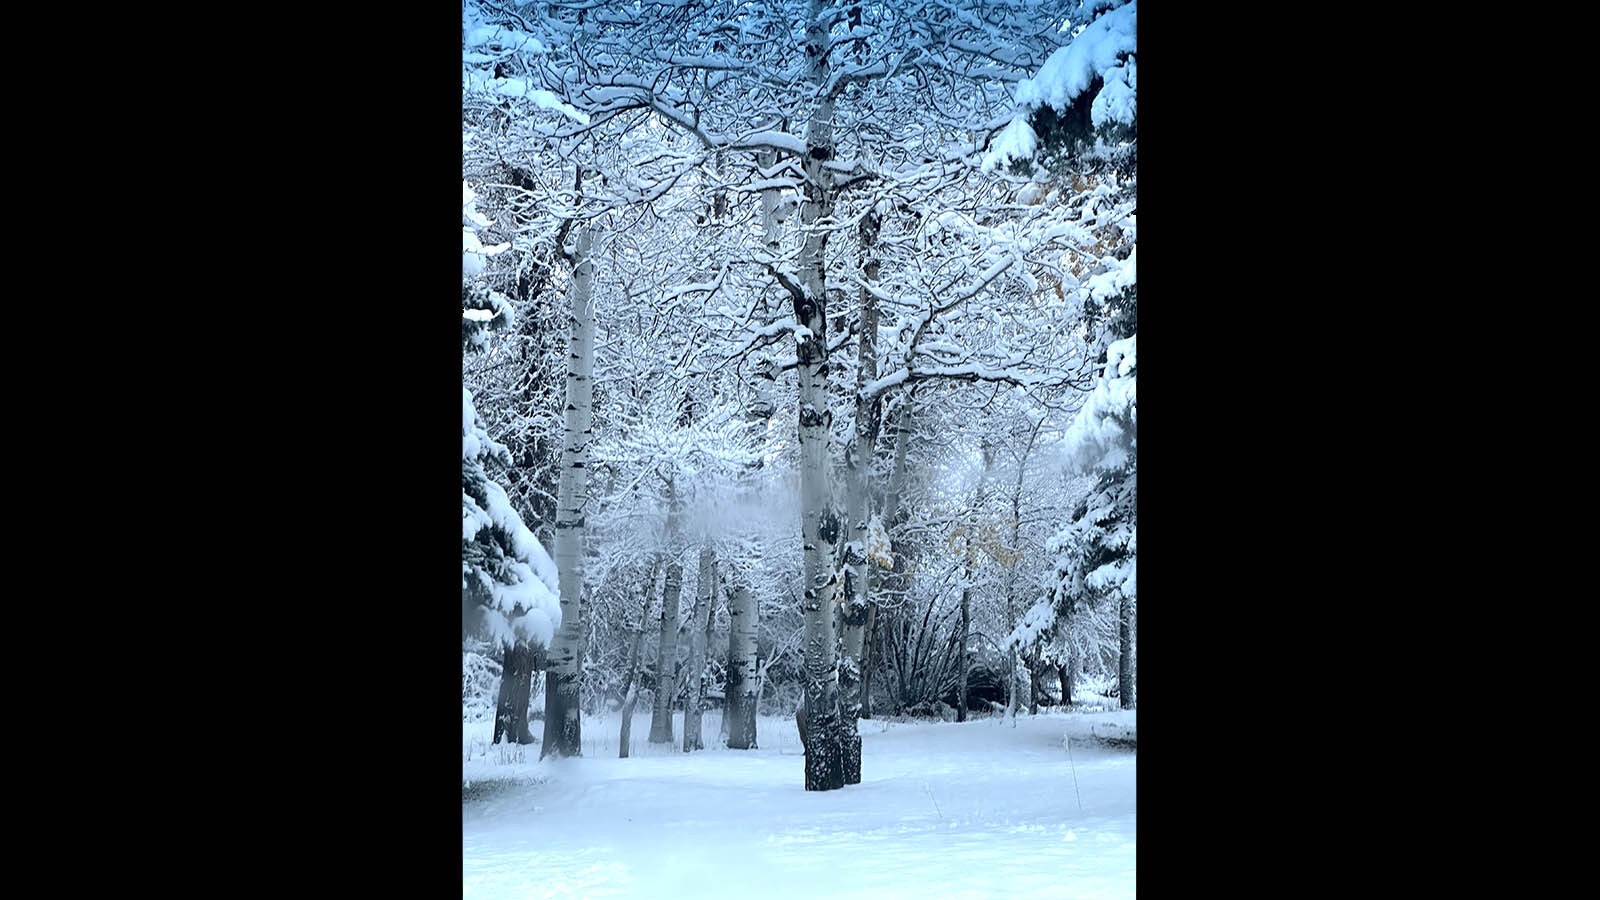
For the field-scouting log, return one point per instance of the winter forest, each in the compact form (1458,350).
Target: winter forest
(799,447)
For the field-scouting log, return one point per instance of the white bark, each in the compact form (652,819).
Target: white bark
(667,659)
(891,509)
(630,682)
(563,734)
(742,677)
(855,604)
(705,596)
(820,525)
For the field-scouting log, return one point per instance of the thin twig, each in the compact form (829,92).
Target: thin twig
(1074,773)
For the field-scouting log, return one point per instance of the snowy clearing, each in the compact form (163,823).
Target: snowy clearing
(981,809)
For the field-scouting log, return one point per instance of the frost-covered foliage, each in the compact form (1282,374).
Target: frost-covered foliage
(480,677)
(689,135)
(1097,552)
(1103,51)
(1084,101)
(482,310)
(503,566)
(1104,435)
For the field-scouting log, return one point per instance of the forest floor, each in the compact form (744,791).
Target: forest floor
(1039,807)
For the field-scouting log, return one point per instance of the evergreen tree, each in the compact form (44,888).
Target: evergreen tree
(508,581)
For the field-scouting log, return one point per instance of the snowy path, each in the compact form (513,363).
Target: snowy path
(972,810)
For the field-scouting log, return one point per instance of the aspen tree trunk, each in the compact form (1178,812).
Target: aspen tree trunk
(820,525)
(854,607)
(667,659)
(563,724)
(741,706)
(694,700)
(710,633)
(875,575)
(630,682)
(744,678)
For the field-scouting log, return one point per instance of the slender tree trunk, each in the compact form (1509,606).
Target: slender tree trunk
(1033,688)
(966,637)
(1014,557)
(563,724)
(710,652)
(1013,697)
(854,606)
(1125,683)
(895,580)
(667,658)
(1064,673)
(630,682)
(867,660)
(694,701)
(740,711)
(742,694)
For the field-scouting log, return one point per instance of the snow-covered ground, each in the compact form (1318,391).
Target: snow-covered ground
(982,809)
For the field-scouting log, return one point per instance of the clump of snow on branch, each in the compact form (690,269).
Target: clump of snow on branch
(473,251)
(1101,47)
(1104,286)
(484,45)
(1033,631)
(1105,429)
(1015,141)
(482,309)
(1104,50)
(1118,101)
(501,560)
(1099,533)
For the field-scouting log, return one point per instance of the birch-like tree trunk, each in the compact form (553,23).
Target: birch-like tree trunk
(710,627)
(630,681)
(855,607)
(563,724)
(891,511)
(740,709)
(743,692)
(820,526)
(667,658)
(694,700)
